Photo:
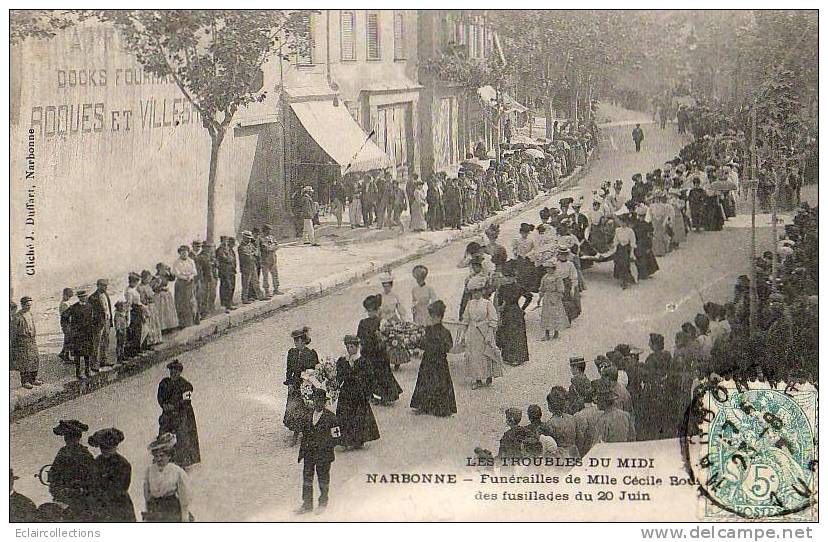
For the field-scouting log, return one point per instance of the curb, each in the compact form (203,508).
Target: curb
(22,405)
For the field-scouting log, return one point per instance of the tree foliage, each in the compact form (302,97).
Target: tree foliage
(38,23)
(214,56)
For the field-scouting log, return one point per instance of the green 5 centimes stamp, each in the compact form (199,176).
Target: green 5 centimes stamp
(751,449)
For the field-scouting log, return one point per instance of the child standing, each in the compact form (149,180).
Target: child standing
(121,324)
(320,434)
(64,324)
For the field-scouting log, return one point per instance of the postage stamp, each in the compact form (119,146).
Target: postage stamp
(752,450)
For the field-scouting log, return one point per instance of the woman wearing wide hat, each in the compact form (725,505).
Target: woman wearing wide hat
(299,358)
(511,330)
(385,387)
(483,358)
(70,477)
(434,391)
(167,491)
(353,408)
(112,475)
(175,397)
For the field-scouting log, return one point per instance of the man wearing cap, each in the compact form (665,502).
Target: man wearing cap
(308,212)
(579,221)
(613,424)
(638,136)
(102,322)
(70,476)
(23,338)
(226,267)
(248,254)
(206,265)
(267,250)
(320,434)
(586,418)
(81,319)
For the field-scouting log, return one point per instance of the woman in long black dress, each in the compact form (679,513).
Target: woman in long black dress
(175,397)
(353,409)
(511,329)
(384,386)
(299,358)
(646,260)
(111,477)
(434,391)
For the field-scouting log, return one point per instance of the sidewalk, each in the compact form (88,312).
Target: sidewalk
(346,256)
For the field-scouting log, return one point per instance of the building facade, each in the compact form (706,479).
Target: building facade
(121,158)
(451,119)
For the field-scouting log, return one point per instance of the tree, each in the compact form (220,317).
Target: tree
(38,23)
(215,58)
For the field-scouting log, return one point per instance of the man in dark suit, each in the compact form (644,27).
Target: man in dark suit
(101,323)
(638,137)
(206,265)
(80,317)
(226,267)
(320,434)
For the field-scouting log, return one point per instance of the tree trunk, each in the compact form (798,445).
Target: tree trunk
(215,145)
(547,107)
(573,106)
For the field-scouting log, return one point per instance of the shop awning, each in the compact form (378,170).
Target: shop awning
(340,136)
(489,95)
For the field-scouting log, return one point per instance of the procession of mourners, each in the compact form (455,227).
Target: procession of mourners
(640,394)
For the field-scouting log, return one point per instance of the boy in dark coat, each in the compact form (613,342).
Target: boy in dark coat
(320,434)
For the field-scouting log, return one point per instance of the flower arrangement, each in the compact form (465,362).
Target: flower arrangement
(322,377)
(400,335)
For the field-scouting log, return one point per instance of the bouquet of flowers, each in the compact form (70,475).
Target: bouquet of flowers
(402,336)
(323,377)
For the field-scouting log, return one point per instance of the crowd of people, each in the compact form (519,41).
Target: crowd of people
(635,400)
(174,297)
(87,488)
(379,198)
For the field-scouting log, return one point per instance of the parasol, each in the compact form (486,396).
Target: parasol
(535,153)
(722,186)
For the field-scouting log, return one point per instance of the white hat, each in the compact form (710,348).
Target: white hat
(624,210)
(386,277)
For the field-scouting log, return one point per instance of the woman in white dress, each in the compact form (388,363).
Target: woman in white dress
(418,206)
(152,327)
(164,299)
(422,295)
(167,492)
(391,311)
(480,318)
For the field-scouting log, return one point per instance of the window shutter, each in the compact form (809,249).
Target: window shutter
(348,50)
(372,35)
(399,36)
(304,53)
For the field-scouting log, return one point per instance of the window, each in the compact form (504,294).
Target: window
(481,41)
(304,42)
(399,36)
(372,35)
(346,31)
